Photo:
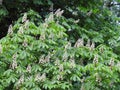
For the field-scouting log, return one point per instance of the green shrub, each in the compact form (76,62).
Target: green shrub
(41,58)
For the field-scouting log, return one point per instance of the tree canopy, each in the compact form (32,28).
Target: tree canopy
(59,45)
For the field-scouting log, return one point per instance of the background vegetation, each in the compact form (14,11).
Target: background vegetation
(59,45)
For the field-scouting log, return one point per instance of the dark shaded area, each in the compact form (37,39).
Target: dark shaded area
(16,7)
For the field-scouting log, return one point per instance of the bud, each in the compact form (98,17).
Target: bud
(10,30)
(24,17)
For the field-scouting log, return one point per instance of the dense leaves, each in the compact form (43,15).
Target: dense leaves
(41,57)
(60,45)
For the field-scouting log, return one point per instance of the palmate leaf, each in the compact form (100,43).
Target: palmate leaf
(75,77)
(12,79)
(29,84)
(8,72)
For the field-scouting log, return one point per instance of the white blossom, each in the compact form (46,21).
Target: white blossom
(14,57)
(42,37)
(68,45)
(42,59)
(20,30)
(61,67)
(80,42)
(10,30)
(89,13)
(65,56)
(50,18)
(88,43)
(37,77)
(59,12)
(26,24)
(57,62)
(98,78)
(42,78)
(29,68)
(118,64)
(59,77)
(45,25)
(111,63)
(92,45)
(24,17)
(76,21)
(14,64)
(25,44)
(72,62)
(95,60)
(47,58)
(21,79)
(0,48)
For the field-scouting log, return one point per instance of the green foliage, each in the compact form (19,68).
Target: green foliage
(3,12)
(46,51)
(41,57)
